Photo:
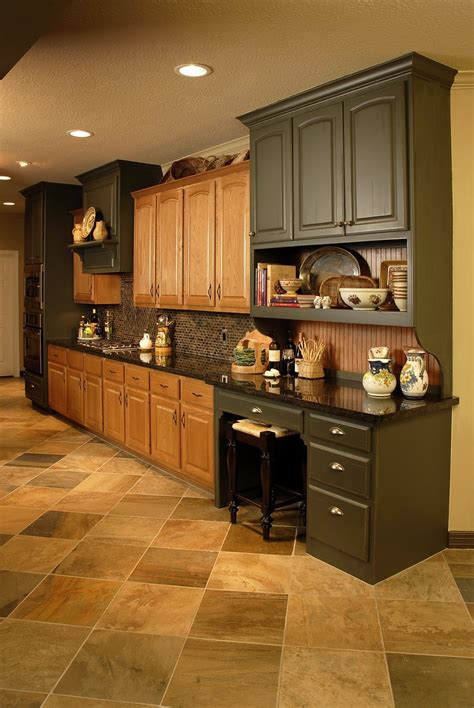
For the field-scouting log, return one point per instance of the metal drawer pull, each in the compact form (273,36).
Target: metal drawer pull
(336,431)
(336,467)
(136,378)
(256,410)
(175,417)
(120,398)
(164,385)
(335,511)
(112,371)
(198,395)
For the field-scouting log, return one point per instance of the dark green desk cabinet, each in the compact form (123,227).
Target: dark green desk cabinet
(378,493)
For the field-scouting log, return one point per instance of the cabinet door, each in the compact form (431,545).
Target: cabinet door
(137,420)
(169,247)
(197,441)
(232,242)
(114,416)
(199,244)
(271,150)
(57,397)
(144,251)
(75,395)
(34,228)
(83,283)
(165,431)
(93,402)
(318,189)
(375,161)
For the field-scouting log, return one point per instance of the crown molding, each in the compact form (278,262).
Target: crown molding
(233,146)
(464,80)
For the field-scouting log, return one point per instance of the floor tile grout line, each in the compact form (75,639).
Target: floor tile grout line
(384,649)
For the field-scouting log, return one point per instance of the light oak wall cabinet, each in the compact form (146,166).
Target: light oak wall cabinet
(191,243)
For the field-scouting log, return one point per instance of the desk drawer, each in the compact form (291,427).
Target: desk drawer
(259,409)
(340,432)
(57,354)
(339,522)
(164,384)
(339,469)
(137,377)
(113,371)
(197,392)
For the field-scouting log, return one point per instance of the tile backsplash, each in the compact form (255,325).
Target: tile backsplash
(194,332)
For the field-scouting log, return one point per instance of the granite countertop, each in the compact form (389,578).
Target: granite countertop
(334,397)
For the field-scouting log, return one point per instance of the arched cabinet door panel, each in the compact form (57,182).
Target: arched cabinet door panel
(144,251)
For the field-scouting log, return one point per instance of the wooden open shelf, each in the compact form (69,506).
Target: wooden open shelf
(370,317)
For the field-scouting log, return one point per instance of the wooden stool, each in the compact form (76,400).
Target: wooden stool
(271,441)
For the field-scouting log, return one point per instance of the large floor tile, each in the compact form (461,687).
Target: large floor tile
(434,681)
(56,447)
(314,677)
(227,674)
(66,479)
(34,554)
(86,501)
(440,628)
(21,699)
(146,505)
(462,570)
(6,489)
(34,655)
(100,560)
(21,475)
(4,537)
(10,453)
(160,485)
(126,465)
(459,555)
(72,435)
(63,600)
(251,572)
(192,535)
(308,573)
(466,588)
(425,581)
(122,666)
(33,497)
(14,518)
(241,617)
(153,609)
(101,482)
(130,530)
(333,622)
(32,459)
(63,524)
(251,514)
(175,567)
(14,587)
(248,538)
(200,510)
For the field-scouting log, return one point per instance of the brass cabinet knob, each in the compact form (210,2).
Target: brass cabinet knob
(335,511)
(251,233)
(349,222)
(336,431)
(339,223)
(336,467)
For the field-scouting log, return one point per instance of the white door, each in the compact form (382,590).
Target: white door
(9,325)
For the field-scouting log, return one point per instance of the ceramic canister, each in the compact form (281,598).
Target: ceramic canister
(379,381)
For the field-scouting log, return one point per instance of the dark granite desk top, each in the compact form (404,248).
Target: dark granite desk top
(328,396)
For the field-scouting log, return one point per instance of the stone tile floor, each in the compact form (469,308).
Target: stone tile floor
(121,586)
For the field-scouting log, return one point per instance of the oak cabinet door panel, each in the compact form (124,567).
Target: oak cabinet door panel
(137,420)
(197,444)
(169,247)
(75,395)
(144,251)
(114,416)
(93,417)
(199,244)
(57,396)
(165,431)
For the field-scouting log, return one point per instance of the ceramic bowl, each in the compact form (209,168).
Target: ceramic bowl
(291,285)
(401,303)
(364,298)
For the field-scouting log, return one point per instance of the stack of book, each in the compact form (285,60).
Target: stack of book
(292,301)
(267,281)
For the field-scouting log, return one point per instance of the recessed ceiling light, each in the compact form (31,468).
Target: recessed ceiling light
(193,70)
(76,133)
(23,163)
(5,178)
(8,203)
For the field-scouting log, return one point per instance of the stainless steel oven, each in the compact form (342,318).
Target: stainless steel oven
(33,287)
(32,349)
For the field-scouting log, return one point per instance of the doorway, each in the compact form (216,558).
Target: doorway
(9,315)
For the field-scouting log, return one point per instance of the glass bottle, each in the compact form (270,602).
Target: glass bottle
(298,355)
(108,325)
(288,357)
(274,354)
(94,318)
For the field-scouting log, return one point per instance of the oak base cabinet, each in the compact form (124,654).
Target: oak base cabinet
(197,444)
(114,417)
(137,420)
(165,431)
(57,396)
(75,398)
(93,403)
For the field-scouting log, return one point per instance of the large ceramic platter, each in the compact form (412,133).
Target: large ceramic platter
(325,262)
(88,222)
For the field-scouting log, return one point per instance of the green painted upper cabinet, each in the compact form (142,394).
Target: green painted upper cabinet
(318,169)
(271,181)
(34,226)
(375,161)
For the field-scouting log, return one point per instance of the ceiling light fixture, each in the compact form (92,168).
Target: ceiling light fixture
(77,133)
(8,203)
(23,163)
(5,178)
(193,71)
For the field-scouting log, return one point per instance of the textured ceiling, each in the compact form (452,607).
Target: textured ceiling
(107,66)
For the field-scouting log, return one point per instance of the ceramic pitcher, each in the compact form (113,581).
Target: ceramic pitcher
(100,232)
(413,376)
(379,381)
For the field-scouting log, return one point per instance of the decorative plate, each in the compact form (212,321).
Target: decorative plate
(327,261)
(88,222)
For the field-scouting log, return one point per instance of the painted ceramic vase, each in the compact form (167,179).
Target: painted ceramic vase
(414,377)
(100,232)
(146,342)
(379,381)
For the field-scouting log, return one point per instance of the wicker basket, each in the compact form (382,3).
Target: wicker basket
(310,370)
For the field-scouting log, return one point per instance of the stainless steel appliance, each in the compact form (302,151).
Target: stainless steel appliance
(34,287)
